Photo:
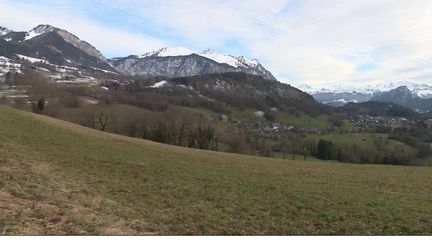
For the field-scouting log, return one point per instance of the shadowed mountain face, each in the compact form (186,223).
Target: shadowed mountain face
(250,91)
(374,108)
(404,97)
(54,45)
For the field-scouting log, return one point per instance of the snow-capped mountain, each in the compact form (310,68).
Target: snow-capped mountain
(421,89)
(179,61)
(210,54)
(338,95)
(53,45)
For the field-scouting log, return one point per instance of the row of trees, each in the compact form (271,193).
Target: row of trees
(158,130)
(238,140)
(327,150)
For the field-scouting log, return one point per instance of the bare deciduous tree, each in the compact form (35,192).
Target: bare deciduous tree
(39,89)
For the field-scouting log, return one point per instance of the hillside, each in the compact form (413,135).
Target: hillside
(243,90)
(375,108)
(59,178)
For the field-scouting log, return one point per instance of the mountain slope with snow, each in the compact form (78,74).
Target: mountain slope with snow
(338,95)
(421,89)
(405,97)
(60,47)
(169,52)
(54,45)
(179,61)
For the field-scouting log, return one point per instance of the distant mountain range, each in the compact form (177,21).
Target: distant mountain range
(341,95)
(405,97)
(414,98)
(421,89)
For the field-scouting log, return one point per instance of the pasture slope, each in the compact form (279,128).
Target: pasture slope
(60,178)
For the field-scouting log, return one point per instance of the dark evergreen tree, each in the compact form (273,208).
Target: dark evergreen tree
(324,149)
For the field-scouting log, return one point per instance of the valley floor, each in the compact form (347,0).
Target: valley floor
(60,178)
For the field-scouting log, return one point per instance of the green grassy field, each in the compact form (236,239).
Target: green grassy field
(59,178)
(303,120)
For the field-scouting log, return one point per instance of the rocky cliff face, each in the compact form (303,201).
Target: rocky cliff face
(86,47)
(68,37)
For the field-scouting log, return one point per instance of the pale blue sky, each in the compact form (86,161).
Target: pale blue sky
(300,41)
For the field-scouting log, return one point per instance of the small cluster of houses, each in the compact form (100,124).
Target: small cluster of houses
(276,129)
(369,122)
(115,84)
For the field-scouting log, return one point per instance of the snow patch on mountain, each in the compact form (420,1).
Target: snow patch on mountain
(248,62)
(7,64)
(4,31)
(228,59)
(39,30)
(100,69)
(220,58)
(32,59)
(30,35)
(159,84)
(210,54)
(169,52)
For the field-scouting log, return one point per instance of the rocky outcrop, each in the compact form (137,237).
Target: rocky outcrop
(86,47)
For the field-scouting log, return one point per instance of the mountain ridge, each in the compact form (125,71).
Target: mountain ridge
(405,97)
(171,62)
(54,45)
(421,89)
(339,95)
